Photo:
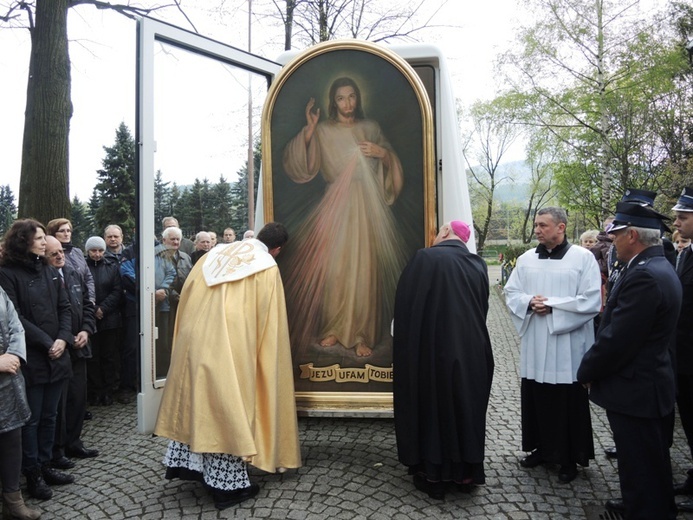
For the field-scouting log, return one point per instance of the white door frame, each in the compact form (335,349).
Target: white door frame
(149,32)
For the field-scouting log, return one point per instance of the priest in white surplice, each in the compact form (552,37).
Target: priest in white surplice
(553,294)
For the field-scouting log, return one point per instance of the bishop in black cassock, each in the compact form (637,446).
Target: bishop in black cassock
(443,363)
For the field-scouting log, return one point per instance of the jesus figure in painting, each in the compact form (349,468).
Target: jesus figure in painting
(342,277)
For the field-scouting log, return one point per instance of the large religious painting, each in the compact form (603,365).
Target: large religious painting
(348,168)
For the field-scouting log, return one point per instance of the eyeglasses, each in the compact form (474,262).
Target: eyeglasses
(56,253)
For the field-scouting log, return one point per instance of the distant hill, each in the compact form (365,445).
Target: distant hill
(515,187)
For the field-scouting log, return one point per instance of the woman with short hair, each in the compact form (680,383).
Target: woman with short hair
(61,228)
(37,293)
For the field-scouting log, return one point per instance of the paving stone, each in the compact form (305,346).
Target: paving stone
(350,471)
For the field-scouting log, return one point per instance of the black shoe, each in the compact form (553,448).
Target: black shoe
(567,473)
(532,460)
(35,485)
(106,400)
(684,489)
(88,416)
(686,506)
(610,452)
(80,452)
(62,463)
(224,499)
(615,505)
(54,477)
(435,490)
(465,487)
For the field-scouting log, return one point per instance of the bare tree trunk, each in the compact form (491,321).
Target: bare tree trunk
(487,222)
(44,181)
(603,122)
(289,23)
(322,20)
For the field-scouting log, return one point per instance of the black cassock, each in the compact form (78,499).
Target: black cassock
(443,363)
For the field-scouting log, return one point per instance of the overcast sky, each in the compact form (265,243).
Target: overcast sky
(102,51)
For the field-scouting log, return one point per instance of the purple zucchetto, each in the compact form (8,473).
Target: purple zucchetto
(461,229)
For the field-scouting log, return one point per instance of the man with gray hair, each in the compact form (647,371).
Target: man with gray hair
(630,368)
(553,293)
(186,245)
(182,264)
(113,235)
(203,243)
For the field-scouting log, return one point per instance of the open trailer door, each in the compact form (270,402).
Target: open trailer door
(199,105)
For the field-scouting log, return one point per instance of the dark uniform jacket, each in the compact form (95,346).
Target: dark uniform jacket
(684,329)
(630,364)
(36,291)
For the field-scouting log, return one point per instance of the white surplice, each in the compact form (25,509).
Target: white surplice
(553,344)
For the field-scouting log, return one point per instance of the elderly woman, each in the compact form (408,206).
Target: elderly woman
(14,409)
(36,291)
(104,366)
(589,238)
(61,228)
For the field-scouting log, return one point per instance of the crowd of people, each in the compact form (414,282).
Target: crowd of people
(617,332)
(69,340)
(607,322)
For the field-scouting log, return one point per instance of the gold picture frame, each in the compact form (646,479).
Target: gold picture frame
(356,191)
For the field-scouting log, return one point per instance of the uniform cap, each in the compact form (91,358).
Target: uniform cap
(685,202)
(629,214)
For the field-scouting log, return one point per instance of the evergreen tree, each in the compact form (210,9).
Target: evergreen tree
(82,223)
(220,201)
(162,196)
(93,205)
(173,201)
(116,186)
(183,210)
(192,208)
(239,193)
(8,209)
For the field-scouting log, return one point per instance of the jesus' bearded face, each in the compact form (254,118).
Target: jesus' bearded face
(346,101)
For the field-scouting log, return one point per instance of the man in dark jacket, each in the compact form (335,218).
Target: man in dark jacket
(443,363)
(684,336)
(74,399)
(630,367)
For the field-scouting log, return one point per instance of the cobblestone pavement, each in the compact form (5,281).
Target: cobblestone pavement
(350,468)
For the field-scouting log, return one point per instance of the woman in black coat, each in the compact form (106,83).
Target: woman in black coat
(104,365)
(37,292)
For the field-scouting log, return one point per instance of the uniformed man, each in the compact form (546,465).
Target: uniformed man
(630,367)
(684,335)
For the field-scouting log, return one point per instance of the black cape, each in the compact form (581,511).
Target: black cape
(443,362)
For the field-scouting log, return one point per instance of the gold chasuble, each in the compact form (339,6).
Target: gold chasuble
(230,384)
